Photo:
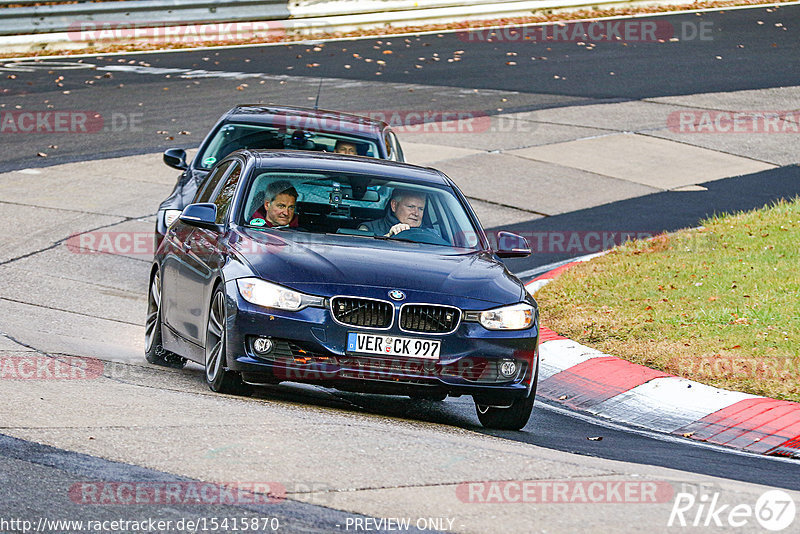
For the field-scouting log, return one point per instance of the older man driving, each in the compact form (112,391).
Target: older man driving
(406,210)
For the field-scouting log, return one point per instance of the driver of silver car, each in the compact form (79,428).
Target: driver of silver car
(406,210)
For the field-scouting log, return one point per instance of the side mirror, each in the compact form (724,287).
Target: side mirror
(512,246)
(201,215)
(176,158)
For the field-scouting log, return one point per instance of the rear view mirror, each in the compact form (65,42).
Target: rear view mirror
(512,246)
(368,196)
(176,158)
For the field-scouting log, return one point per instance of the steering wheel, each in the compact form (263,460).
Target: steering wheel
(422,235)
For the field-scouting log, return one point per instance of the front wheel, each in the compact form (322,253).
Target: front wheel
(218,378)
(513,417)
(154,351)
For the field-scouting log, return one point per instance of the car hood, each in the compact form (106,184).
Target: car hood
(328,265)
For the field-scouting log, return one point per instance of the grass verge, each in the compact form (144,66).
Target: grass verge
(719,304)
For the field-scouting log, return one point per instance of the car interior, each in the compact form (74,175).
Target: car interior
(232,137)
(338,205)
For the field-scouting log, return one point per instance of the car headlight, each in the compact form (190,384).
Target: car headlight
(514,317)
(267,294)
(170,216)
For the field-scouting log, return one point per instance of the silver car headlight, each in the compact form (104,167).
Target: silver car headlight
(170,216)
(514,317)
(269,295)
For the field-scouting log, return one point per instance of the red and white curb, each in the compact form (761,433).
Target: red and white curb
(586,380)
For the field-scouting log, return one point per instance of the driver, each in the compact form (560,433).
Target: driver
(406,212)
(345,147)
(278,211)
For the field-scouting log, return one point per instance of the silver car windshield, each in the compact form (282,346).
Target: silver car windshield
(235,136)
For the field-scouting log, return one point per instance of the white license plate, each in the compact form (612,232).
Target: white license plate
(393,346)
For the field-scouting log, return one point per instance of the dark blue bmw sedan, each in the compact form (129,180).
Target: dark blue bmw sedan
(347,272)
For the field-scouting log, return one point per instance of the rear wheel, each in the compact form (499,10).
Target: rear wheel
(218,378)
(154,351)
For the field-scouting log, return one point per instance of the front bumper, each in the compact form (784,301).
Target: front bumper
(310,347)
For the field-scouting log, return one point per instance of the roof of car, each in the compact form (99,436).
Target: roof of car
(328,162)
(317,120)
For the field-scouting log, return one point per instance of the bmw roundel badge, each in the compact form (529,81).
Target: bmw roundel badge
(396,294)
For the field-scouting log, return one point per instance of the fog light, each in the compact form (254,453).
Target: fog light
(508,368)
(262,345)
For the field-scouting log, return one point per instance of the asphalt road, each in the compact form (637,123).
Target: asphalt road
(733,50)
(741,54)
(44,483)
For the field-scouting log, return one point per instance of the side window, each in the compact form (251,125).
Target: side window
(225,195)
(210,183)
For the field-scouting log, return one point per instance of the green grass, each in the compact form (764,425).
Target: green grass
(719,304)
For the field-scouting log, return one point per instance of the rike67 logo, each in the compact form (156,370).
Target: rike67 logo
(774,510)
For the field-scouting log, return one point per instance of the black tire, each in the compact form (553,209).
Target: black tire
(154,351)
(218,378)
(514,417)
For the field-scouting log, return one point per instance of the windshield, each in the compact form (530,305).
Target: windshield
(357,205)
(234,136)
